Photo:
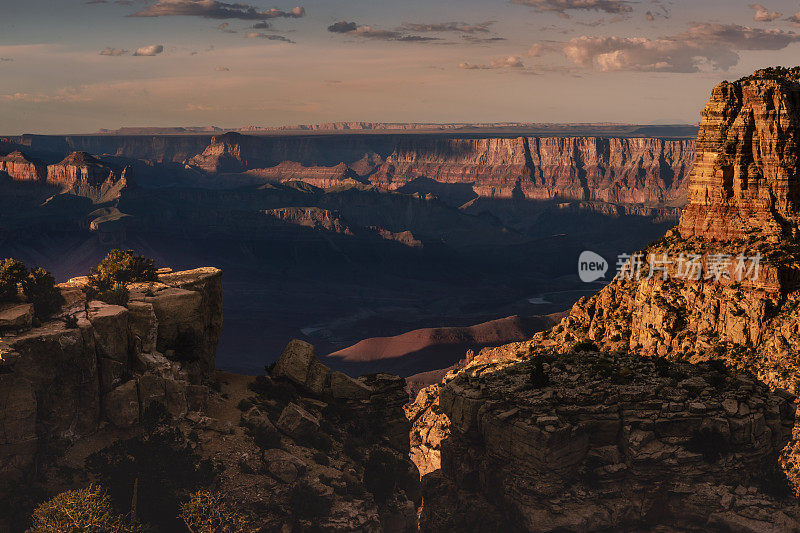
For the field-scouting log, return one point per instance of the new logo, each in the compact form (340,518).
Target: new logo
(591,267)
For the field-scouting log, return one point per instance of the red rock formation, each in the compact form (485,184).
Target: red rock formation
(22,168)
(78,167)
(574,168)
(745,177)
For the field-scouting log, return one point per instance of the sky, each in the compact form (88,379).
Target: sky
(77,66)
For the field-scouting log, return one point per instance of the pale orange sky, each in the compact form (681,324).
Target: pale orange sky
(71,66)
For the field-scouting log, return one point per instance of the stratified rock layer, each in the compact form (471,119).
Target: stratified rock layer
(613,442)
(58,384)
(745,178)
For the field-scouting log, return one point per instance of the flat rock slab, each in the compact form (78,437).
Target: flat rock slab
(16,316)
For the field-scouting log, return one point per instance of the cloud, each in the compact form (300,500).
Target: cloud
(616,7)
(6,59)
(715,44)
(460,27)
(369,32)
(113,52)
(222,69)
(152,50)
(540,49)
(212,9)
(763,14)
(342,26)
(263,25)
(224,28)
(92,2)
(267,36)
(509,62)
(794,19)
(650,16)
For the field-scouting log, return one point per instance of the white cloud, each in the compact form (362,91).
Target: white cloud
(763,14)
(715,44)
(561,7)
(152,50)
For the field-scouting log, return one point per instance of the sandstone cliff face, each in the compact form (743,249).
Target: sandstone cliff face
(745,177)
(22,168)
(85,175)
(61,384)
(613,442)
(652,171)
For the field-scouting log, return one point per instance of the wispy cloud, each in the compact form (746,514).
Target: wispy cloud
(371,32)
(509,62)
(459,27)
(113,52)
(213,9)
(224,28)
(561,7)
(268,37)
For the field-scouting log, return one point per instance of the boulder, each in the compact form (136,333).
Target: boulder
(110,326)
(180,321)
(255,419)
(343,387)
(152,389)
(121,405)
(299,364)
(16,316)
(297,422)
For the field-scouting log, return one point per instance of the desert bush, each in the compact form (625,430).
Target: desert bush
(208,512)
(108,282)
(12,272)
(70,322)
(125,267)
(40,289)
(84,510)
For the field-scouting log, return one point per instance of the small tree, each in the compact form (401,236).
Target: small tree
(78,511)
(40,290)
(126,267)
(208,512)
(12,272)
(108,282)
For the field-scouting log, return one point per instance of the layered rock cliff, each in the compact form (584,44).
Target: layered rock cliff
(745,177)
(83,174)
(590,441)
(19,167)
(61,383)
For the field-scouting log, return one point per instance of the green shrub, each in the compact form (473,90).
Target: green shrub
(12,272)
(208,512)
(108,282)
(125,267)
(306,502)
(40,290)
(78,511)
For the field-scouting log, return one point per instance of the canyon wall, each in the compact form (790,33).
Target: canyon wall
(607,169)
(61,383)
(745,178)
